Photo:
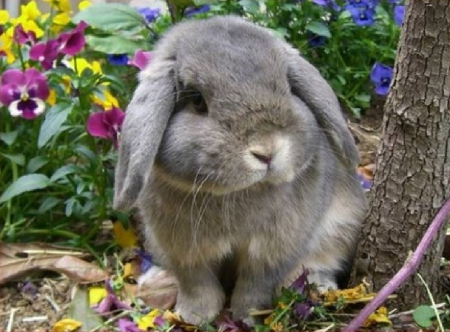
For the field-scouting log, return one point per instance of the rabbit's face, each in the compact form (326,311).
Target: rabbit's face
(252,132)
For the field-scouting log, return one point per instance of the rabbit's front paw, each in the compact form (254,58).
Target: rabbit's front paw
(199,307)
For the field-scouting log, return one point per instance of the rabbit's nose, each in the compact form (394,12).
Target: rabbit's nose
(266,158)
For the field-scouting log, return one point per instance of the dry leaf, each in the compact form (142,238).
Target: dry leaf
(18,260)
(66,325)
(79,270)
(159,289)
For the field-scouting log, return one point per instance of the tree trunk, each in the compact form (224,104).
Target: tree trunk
(413,164)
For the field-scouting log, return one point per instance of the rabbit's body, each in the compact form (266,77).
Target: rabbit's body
(258,170)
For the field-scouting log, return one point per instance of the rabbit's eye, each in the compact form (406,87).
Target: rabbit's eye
(199,103)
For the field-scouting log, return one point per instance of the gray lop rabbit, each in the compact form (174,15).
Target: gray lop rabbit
(236,155)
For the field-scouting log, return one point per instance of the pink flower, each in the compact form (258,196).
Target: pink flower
(23,37)
(24,92)
(46,53)
(106,124)
(72,42)
(141,59)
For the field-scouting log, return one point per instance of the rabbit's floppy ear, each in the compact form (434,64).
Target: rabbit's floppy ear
(145,121)
(308,84)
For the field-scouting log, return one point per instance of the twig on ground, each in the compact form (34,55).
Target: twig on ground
(11,319)
(411,264)
(52,302)
(410,312)
(35,319)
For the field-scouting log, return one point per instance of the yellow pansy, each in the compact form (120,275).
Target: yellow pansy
(96,294)
(29,25)
(59,22)
(61,18)
(378,317)
(61,5)
(30,11)
(51,99)
(66,325)
(126,238)
(148,321)
(4,16)
(82,64)
(84,4)
(108,101)
(5,48)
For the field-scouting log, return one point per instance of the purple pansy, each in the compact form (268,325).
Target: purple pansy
(106,124)
(328,3)
(191,11)
(315,40)
(150,14)
(362,11)
(118,59)
(110,302)
(141,59)
(301,283)
(126,325)
(70,43)
(399,13)
(46,53)
(303,310)
(381,76)
(22,37)
(24,93)
(366,183)
(145,259)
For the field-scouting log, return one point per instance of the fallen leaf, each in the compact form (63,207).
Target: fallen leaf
(79,270)
(81,311)
(66,325)
(126,238)
(378,317)
(18,260)
(158,289)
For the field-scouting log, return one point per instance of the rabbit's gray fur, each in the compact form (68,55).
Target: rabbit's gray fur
(205,198)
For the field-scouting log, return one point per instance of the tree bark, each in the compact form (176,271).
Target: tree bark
(412,170)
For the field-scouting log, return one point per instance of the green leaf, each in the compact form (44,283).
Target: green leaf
(18,159)
(53,122)
(63,171)
(423,315)
(113,44)
(48,203)
(319,28)
(205,2)
(111,17)
(9,138)
(36,163)
(23,184)
(251,6)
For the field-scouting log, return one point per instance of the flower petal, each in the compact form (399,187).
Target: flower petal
(96,125)
(31,108)
(9,93)
(13,76)
(114,117)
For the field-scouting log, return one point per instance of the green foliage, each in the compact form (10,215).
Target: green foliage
(423,315)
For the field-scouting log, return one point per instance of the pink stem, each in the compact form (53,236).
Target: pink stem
(411,265)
